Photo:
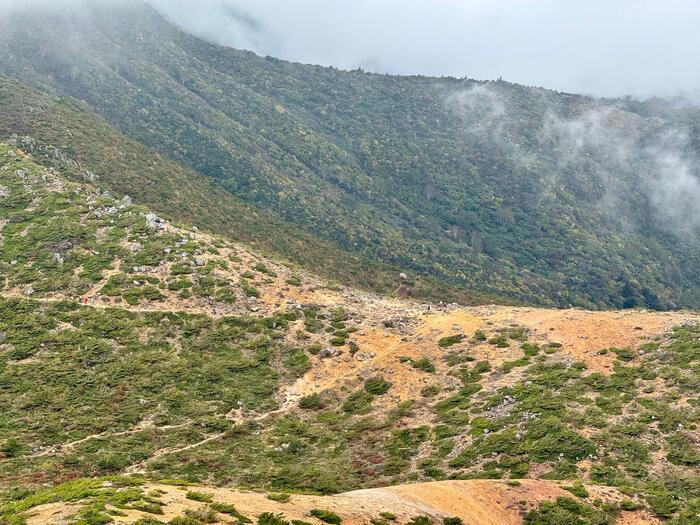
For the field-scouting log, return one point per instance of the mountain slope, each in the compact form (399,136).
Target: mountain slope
(61,132)
(131,347)
(540,196)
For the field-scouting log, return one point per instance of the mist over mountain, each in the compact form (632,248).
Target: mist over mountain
(625,47)
(648,158)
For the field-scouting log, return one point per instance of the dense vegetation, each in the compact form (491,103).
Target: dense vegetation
(67,136)
(528,193)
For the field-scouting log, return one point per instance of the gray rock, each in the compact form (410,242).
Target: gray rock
(326,353)
(152,221)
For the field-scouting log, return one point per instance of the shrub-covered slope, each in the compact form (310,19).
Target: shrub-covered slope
(132,346)
(541,196)
(63,133)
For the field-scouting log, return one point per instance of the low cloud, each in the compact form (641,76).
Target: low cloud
(641,48)
(481,109)
(636,47)
(629,161)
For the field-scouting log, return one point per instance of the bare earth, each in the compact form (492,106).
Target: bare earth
(478,502)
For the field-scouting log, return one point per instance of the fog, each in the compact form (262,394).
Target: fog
(601,47)
(622,154)
(583,47)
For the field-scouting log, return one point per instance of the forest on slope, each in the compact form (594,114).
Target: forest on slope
(66,134)
(539,196)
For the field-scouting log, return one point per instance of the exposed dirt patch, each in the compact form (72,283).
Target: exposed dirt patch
(478,502)
(582,335)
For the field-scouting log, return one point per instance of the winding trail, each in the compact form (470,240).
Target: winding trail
(62,448)
(235,416)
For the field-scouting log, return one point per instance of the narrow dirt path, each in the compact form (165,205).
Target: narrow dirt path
(62,448)
(235,416)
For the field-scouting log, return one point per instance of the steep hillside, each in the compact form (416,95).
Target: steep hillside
(540,196)
(139,349)
(66,134)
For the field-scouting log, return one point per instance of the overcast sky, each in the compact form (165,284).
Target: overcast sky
(603,47)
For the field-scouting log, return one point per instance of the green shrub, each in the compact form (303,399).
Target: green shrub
(566,511)
(148,521)
(358,402)
(430,391)
(297,362)
(92,517)
(10,448)
(268,518)
(327,516)
(624,354)
(479,336)
(281,497)
(628,505)
(423,363)
(199,496)
(377,386)
(500,341)
(148,506)
(577,490)
(664,504)
(448,341)
(226,508)
(530,349)
(311,402)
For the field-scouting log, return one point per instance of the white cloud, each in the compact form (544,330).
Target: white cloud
(603,47)
(621,154)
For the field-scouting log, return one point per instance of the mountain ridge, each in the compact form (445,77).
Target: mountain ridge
(39,122)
